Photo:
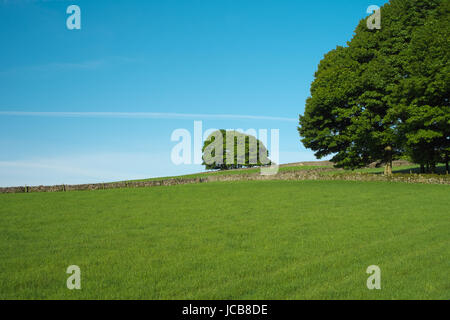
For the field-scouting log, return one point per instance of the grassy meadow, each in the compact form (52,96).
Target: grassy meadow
(327,170)
(243,171)
(229,240)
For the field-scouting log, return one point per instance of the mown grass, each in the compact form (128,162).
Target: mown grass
(233,240)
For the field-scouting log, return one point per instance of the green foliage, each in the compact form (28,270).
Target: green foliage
(354,112)
(423,94)
(232,150)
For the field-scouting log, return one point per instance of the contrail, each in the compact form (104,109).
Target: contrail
(143,115)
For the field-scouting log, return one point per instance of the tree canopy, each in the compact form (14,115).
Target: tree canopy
(232,150)
(385,94)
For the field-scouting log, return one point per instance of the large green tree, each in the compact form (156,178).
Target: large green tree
(350,113)
(423,94)
(232,150)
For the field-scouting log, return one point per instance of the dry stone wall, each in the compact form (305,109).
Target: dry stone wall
(316,174)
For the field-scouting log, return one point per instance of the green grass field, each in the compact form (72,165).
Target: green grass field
(229,240)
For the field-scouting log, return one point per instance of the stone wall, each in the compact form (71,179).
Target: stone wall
(315,174)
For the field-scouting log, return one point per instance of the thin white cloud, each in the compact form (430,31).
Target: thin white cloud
(55,67)
(104,167)
(6,2)
(66,65)
(144,115)
(88,168)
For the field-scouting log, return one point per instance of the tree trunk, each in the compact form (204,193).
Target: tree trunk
(422,168)
(433,167)
(446,162)
(388,166)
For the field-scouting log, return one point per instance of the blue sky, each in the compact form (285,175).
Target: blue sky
(209,57)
